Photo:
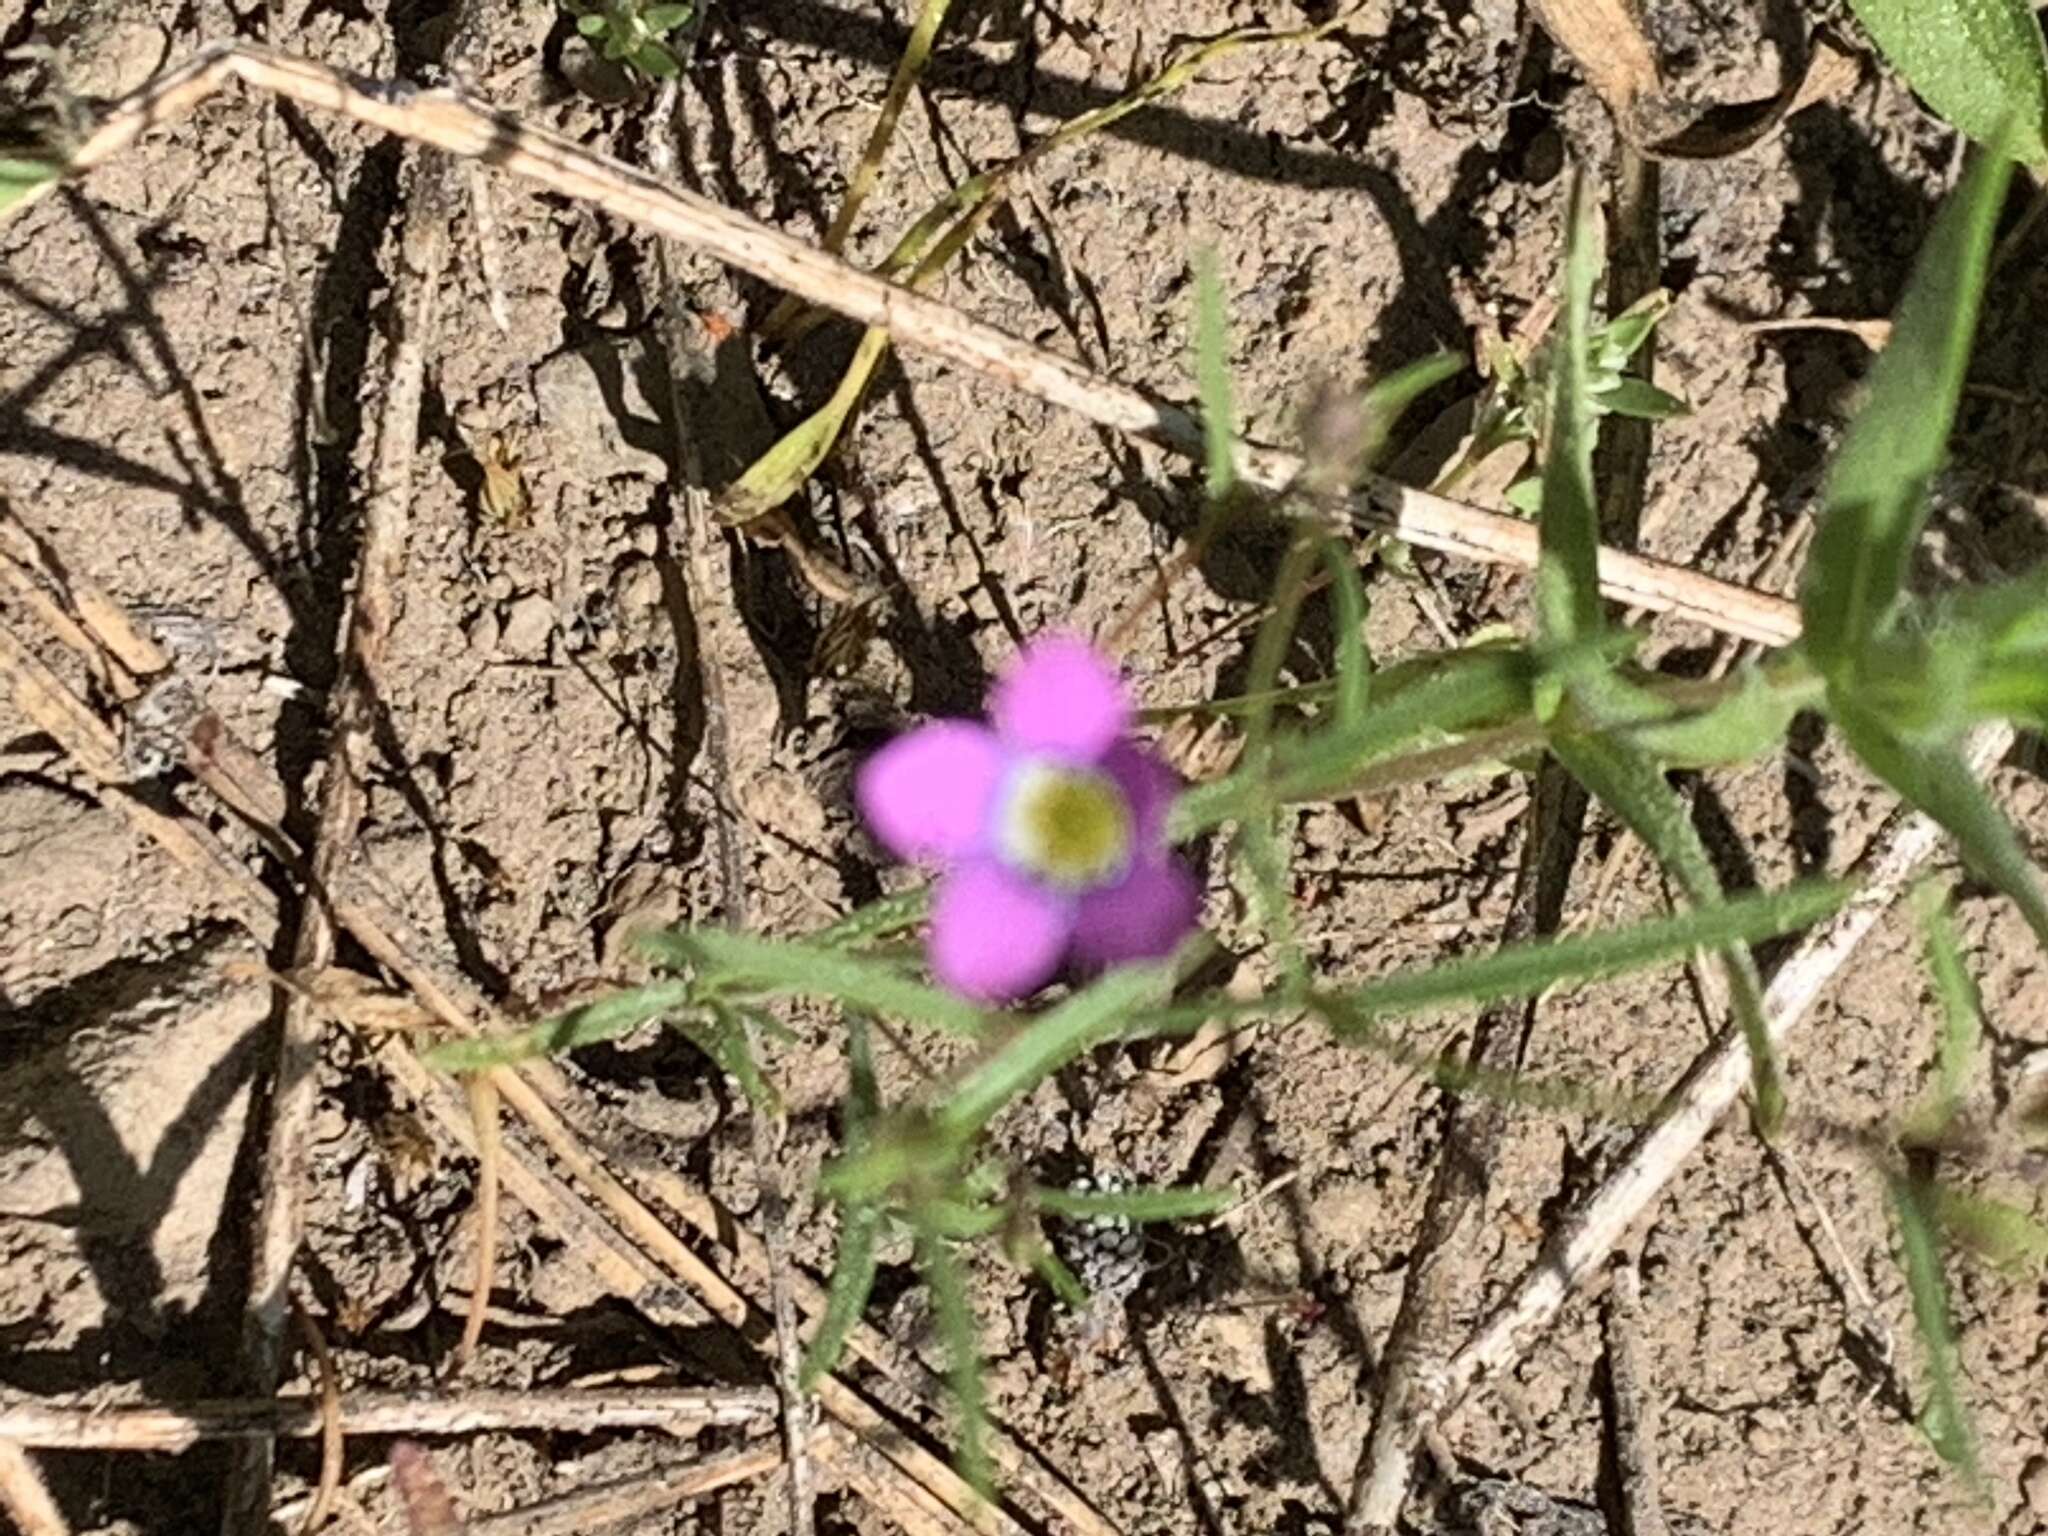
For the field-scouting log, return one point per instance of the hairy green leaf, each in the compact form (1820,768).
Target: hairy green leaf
(1354,663)
(1979,63)
(1567,574)
(1749,722)
(1875,500)
(792,968)
(1410,705)
(880,919)
(1523,970)
(605,1019)
(1388,400)
(1993,1229)
(954,1315)
(1212,378)
(846,1295)
(1961,1027)
(1630,784)
(1944,1419)
(1096,1013)
(1939,782)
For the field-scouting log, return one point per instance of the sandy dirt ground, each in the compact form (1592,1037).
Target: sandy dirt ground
(1368,197)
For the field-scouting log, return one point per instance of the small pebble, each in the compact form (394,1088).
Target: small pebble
(482,633)
(528,623)
(637,588)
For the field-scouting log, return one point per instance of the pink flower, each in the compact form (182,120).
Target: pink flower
(1048,826)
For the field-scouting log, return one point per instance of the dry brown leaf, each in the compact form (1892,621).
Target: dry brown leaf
(1606,39)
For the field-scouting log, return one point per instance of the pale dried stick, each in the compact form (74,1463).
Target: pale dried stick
(718,637)
(632,1498)
(50,704)
(483,1109)
(333,1435)
(652,1256)
(916,320)
(93,1426)
(380,556)
(24,1496)
(1709,1089)
(1634,1410)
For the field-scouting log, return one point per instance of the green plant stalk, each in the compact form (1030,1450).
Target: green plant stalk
(954,1315)
(1139,1206)
(1523,970)
(868,171)
(1945,1420)
(1097,1013)
(785,968)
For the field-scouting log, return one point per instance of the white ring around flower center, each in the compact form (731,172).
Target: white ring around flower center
(1068,826)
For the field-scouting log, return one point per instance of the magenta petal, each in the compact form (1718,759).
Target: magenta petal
(1149,785)
(996,935)
(929,794)
(1061,696)
(1140,918)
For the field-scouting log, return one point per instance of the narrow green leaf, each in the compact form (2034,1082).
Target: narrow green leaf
(1266,845)
(655,60)
(1137,1206)
(1622,337)
(791,968)
(1939,782)
(880,919)
(1212,378)
(1875,500)
(1387,401)
(1523,970)
(663,19)
(1053,1271)
(1641,400)
(22,177)
(1567,573)
(1629,783)
(1961,1028)
(846,1295)
(954,1315)
(722,1036)
(1354,664)
(1751,721)
(1979,63)
(1993,1229)
(605,1019)
(1410,705)
(1096,1013)
(1945,1420)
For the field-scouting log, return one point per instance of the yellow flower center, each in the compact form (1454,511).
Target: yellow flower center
(1068,826)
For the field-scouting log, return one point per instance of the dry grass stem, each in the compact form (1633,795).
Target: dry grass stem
(633,1498)
(333,1445)
(94,1426)
(483,1109)
(1632,1408)
(24,1496)
(451,123)
(380,556)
